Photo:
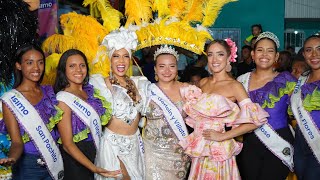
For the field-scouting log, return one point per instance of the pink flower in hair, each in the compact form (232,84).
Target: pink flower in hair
(233,49)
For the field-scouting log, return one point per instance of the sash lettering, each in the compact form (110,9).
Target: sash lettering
(269,137)
(305,122)
(29,118)
(170,111)
(86,113)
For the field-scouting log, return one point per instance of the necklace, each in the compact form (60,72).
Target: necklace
(131,90)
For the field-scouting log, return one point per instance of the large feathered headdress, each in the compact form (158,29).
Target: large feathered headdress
(180,23)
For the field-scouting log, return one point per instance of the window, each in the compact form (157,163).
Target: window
(294,38)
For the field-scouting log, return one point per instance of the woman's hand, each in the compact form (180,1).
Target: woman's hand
(212,135)
(106,173)
(7,161)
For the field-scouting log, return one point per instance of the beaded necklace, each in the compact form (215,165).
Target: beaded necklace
(131,90)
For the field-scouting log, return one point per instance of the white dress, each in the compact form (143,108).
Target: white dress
(128,148)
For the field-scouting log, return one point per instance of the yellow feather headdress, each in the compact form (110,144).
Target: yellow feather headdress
(80,32)
(180,23)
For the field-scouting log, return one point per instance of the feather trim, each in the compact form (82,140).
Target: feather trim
(138,11)
(211,11)
(51,69)
(162,7)
(194,11)
(177,8)
(102,9)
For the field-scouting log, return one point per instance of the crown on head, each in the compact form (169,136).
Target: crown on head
(166,50)
(270,36)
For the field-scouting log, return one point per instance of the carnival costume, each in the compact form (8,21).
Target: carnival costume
(127,148)
(210,159)
(38,134)
(116,147)
(87,117)
(305,107)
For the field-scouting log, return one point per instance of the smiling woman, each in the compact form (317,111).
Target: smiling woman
(306,111)
(85,111)
(121,144)
(165,125)
(29,152)
(269,148)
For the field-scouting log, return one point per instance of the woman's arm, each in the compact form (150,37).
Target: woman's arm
(239,94)
(65,130)
(12,126)
(212,135)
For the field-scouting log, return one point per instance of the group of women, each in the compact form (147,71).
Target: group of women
(95,121)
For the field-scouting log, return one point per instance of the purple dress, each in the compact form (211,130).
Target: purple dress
(305,163)
(27,166)
(50,115)
(80,131)
(256,161)
(83,138)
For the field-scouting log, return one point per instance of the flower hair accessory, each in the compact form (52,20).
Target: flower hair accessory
(233,50)
(122,38)
(270,36)
(166,50)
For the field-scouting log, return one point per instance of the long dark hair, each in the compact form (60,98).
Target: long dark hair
(18,59)
(61,79)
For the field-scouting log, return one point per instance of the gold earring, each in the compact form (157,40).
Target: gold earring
(156,77)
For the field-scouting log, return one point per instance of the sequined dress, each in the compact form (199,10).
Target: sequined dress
(164,158)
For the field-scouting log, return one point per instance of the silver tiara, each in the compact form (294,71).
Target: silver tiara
(269,35)
(166,50)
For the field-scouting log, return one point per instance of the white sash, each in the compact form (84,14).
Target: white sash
(171,112)
(98,82)
(305,122)
(29,118)
(269,137)
(86,113)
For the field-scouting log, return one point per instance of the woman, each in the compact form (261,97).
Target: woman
(121,144)
(213,107)
(305,107)
(164,157)
(85,110)
(30,115)
(269,148)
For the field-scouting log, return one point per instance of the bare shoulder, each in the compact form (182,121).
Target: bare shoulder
(238,91)
(63,106)
(184,84)
(204,81)
(236,84)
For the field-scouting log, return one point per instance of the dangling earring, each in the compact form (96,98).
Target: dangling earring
(156,77)
(228,67)
(110,73)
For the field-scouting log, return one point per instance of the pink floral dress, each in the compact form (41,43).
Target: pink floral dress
(213,160)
